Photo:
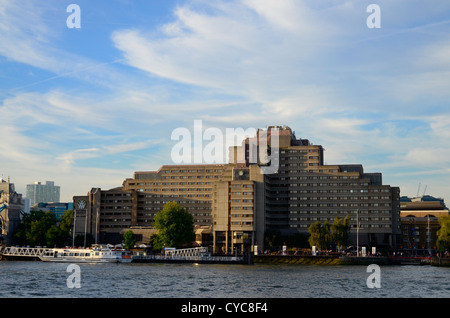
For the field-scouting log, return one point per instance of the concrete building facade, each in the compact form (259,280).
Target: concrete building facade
(234,204)
(305,191)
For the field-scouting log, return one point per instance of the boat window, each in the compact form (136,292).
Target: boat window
(88,254)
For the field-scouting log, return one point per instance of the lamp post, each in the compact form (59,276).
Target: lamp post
(74,222)
(357,232)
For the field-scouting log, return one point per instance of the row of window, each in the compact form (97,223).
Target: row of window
(197,195)
(284,184)
(190,177)
(170,183)
(339,198)
(301,151)
(176,190)
(115,201)
(117,207)
(242,215)
(172,196)
(332,218)
(108,223)
(299,157)
(362,212)
(191,208)
(353,191)
(192,171)
(108,194)
(294,205)
(142,215)
(239,185)
(180,202)
(361,225)
(241,193)
(315,171)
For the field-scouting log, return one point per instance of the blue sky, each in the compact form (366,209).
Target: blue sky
(87,107)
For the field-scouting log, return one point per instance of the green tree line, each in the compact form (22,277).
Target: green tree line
(39,228)
(175,227)
(323,235)
(443,239)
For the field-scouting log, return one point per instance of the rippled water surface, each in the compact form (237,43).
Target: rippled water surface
(37,279)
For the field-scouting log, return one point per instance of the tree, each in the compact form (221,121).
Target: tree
(319,235)
(66,223)
(60,235)
(129,239)
(175,227)
(272,238)
(322,235)
(42,228)
(39,228)
(340,232)
(443,239)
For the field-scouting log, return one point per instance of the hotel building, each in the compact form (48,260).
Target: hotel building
(234,204)
(305,191)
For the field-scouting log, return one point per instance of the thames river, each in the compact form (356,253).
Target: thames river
(53,280)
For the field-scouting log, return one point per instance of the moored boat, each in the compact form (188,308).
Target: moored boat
(96,254)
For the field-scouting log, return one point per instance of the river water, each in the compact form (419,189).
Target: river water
(52,280)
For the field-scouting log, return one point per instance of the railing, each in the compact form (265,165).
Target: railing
(188,252)
(23,251)
(204,258)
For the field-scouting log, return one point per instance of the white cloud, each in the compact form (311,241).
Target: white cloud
(314,66)
(239,49)
(30,34)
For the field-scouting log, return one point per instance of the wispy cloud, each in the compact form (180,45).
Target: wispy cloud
(376,97)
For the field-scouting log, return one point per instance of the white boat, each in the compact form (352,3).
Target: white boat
(96,254)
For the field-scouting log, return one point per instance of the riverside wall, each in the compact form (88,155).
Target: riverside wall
(439,261)
(293,259)
(348,260)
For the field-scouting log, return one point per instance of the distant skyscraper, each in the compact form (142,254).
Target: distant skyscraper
(43,193)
